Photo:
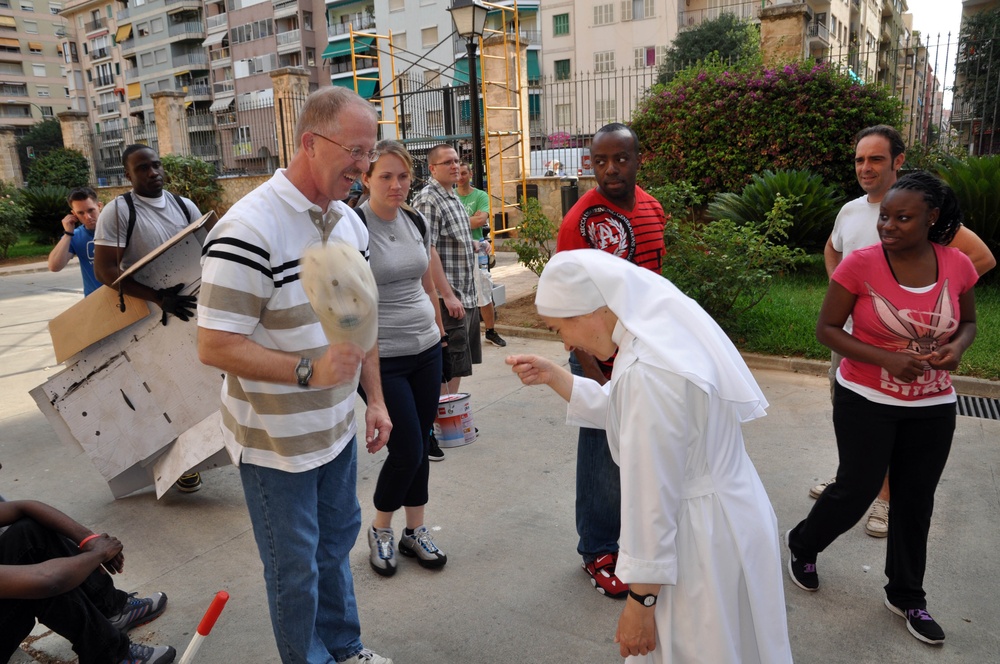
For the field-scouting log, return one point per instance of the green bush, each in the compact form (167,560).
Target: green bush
(13,221)
(47,206)
(716,125)
(63,167)
(815,205)
(728,267)
(727,38)
(680,200)
(976,182)
(192,178)
(534,245)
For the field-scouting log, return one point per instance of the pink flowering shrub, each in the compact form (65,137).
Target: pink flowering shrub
(716,125)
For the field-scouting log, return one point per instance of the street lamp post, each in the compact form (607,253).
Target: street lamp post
(469,18)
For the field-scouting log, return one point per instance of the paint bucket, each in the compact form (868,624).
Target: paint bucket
(453,426)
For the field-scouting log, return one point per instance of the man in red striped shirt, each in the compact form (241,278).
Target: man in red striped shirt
(620,218)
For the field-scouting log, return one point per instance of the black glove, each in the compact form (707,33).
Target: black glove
(445,361)
(172,302)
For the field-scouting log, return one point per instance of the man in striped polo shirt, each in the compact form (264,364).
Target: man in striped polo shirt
(288,396)
(620,218)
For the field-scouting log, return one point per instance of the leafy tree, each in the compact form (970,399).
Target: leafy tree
(13,220)
(727,38)
(62,167)
(976,182)
(48,206)
(193,178)
(715,125)
(726,267)
(535,236)
(977,65)
(42,138)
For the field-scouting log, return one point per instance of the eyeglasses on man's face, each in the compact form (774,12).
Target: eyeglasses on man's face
(357,154)
(450,162)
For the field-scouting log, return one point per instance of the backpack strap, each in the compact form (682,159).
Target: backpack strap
(414,216)
(131,213)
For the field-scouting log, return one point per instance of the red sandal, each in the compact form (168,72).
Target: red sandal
(602,575)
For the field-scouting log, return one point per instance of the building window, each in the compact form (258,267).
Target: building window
(636,10)
(310,57)
(142,29)
(160,55)
(564,115)
(34,48)
(31,27)
(156,25)
(36,69)
(605,110)
(560,25)
(27,6)
(604,14)
(146,59)
(42,90)
(649,56)
(47,111)
(429,37)
(396,5)
(604,61)
(399,41)
(435,122)
(562,70)
(54,8)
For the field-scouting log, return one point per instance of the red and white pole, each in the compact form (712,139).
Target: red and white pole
(205,626)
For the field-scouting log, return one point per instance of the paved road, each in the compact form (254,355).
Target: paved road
(502,508)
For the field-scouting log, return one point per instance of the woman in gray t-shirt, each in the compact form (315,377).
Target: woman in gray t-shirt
(410,334)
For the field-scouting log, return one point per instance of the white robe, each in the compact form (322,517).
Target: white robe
(695,516)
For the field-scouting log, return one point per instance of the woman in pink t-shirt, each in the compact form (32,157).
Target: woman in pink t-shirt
(914,312)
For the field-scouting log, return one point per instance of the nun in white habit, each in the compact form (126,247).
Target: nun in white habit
(699,540)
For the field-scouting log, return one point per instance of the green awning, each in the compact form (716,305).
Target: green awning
(343,47)
(366,88)
(534,71)
(461,76)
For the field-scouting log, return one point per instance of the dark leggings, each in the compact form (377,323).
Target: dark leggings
(80,615)
(411,385)
(871,438)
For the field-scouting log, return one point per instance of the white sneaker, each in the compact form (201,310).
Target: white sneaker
(366,656)
(383,550)
(878,519)
(818,490)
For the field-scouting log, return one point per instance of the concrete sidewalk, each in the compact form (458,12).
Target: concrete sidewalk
(502,508)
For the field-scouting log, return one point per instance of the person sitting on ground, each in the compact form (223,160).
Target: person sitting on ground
(56,571)
(699,539)
(78,240)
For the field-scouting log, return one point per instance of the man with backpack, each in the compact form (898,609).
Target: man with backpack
(136,223)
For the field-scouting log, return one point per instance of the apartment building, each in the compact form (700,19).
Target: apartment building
(33,73)
(974,125)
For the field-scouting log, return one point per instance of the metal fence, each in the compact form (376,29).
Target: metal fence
(950,91)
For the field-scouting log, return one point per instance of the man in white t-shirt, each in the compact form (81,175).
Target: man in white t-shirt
(879,153)
(136,223)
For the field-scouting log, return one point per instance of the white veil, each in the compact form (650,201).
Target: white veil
(684,339)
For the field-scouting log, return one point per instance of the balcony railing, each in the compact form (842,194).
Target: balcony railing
(103,81)
(191,60)
(99,53)
(8,90)
(529,37)
(123,14)
(198,90)
(131,73)
(748,11)
(135,103)
(188,28)
(218,54)
(127,45)
(107,107)
(216,21)
(223,87)
(819,31)
(359,22)
(290,37)
(200,122)
(95,25)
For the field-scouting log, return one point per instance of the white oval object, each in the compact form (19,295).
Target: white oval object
(343,293)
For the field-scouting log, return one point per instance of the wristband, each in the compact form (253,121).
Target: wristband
(87,539)
(69,233)
(444,339)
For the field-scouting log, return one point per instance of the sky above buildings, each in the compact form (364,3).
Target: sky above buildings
(939,17)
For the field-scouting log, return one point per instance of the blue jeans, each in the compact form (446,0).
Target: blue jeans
(305,525)
(598,490)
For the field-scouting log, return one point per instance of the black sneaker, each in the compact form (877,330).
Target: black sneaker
(189,483)
(140,654)
(919,623)
(494,338)
(436,453)
(803,574)
(139,611)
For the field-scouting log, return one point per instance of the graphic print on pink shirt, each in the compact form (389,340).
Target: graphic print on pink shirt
(921,330)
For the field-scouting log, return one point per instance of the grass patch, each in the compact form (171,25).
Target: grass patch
(784,324)
(27,246)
